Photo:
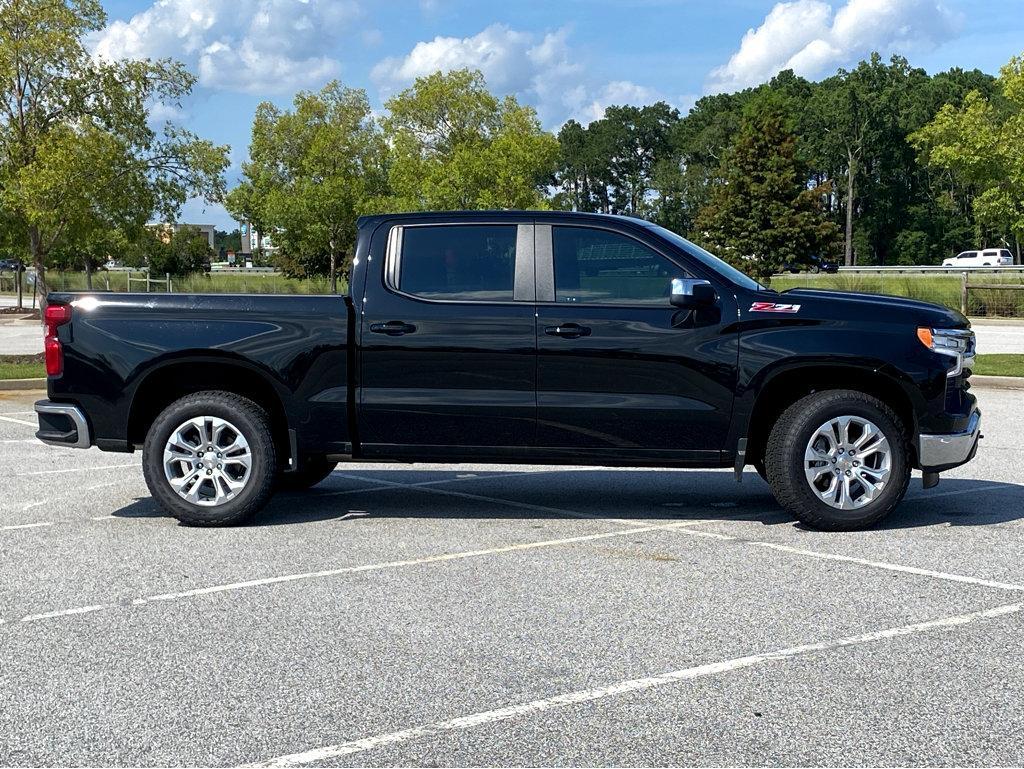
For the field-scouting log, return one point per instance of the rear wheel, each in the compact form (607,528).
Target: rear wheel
(209,458)
(838,460)
(314,470)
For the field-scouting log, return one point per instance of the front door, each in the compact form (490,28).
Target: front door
(621,373)
(448,349)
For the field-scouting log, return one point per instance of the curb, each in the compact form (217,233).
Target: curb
(27,384)
(998,382)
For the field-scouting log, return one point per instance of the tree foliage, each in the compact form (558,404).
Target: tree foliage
(979,145)
(311,173)
(77,155)
(454,145)
(761,214)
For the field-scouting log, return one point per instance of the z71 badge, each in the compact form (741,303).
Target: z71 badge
(772,307)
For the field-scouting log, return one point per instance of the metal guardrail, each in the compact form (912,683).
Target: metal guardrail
(926,269)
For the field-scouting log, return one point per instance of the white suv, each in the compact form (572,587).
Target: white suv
(992,257)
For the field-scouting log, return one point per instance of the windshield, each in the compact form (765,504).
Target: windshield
(708,259)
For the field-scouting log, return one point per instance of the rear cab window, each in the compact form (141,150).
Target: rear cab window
(457,262)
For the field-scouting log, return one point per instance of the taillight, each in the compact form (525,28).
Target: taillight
(55,315)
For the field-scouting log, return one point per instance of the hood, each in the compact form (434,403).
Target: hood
(880,307)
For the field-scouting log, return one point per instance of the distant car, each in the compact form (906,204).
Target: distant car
(8,265)
(991,257)
(816,264)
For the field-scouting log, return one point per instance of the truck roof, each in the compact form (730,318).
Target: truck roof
(491,215)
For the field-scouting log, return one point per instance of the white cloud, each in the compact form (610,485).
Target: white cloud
(616,93)
(257,46)
(810,38)
(540,70)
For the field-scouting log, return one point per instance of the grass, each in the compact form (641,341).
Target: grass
(22,366)
(1000,364)
(939,289)
(197,283)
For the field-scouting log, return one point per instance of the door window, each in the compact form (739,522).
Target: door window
(458,262)
(600,267)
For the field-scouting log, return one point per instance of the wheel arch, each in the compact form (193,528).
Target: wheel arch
(789,385)
(165,383)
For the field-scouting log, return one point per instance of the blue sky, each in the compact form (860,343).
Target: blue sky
(568,58)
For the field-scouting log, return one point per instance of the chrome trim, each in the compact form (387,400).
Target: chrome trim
(949,449)
(962,354)
(75,415)
(207,461)
(847,462)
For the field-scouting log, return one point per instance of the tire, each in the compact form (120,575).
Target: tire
(759,467)
(791,437)
(314,470)
(229,415)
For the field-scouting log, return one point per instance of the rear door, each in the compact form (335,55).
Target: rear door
(621,373)
(448,344)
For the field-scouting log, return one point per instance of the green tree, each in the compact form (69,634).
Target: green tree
(453,145)
(76,152)
(312,172)
(979,144)
(229,241)
(762,214)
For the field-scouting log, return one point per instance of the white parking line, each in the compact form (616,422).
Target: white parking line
(973,490)
(385,485)
(757,543)
(888,566)
(18,421)
(72,470)
(508,502)
(319,755)
(25,526)
(356,569)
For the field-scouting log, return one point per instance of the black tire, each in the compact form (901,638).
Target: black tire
(314,470)
(784,459)
(759,467)
(254,425)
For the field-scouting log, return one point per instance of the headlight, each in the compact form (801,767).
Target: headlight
(958,344)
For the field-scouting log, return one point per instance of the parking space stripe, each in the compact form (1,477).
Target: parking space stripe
(888,566)
(956,493)
(73,470)
(25,526)
(399,564)
(18,421)
(527,709)
(512,503)
(757,543)
(357,569)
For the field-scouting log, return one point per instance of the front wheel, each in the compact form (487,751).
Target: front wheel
(838,460)
(209,459)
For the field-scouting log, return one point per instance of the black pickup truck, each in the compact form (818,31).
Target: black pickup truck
(517,337)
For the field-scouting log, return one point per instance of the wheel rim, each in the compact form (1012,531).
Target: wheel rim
(847,462)
(207,461)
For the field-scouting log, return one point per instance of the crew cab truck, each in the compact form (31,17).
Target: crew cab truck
(517,337)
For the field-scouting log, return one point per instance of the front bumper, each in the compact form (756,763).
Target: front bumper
(62,424)
(938,452)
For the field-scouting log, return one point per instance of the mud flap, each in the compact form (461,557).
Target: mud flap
(741,459)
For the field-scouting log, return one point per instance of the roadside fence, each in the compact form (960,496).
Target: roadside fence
(986,297)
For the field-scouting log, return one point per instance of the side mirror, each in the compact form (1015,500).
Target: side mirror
(692,294)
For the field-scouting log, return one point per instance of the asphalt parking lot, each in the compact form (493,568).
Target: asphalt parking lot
(487,615)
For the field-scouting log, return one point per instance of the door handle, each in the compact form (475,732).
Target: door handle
(393,328)
(567,331)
